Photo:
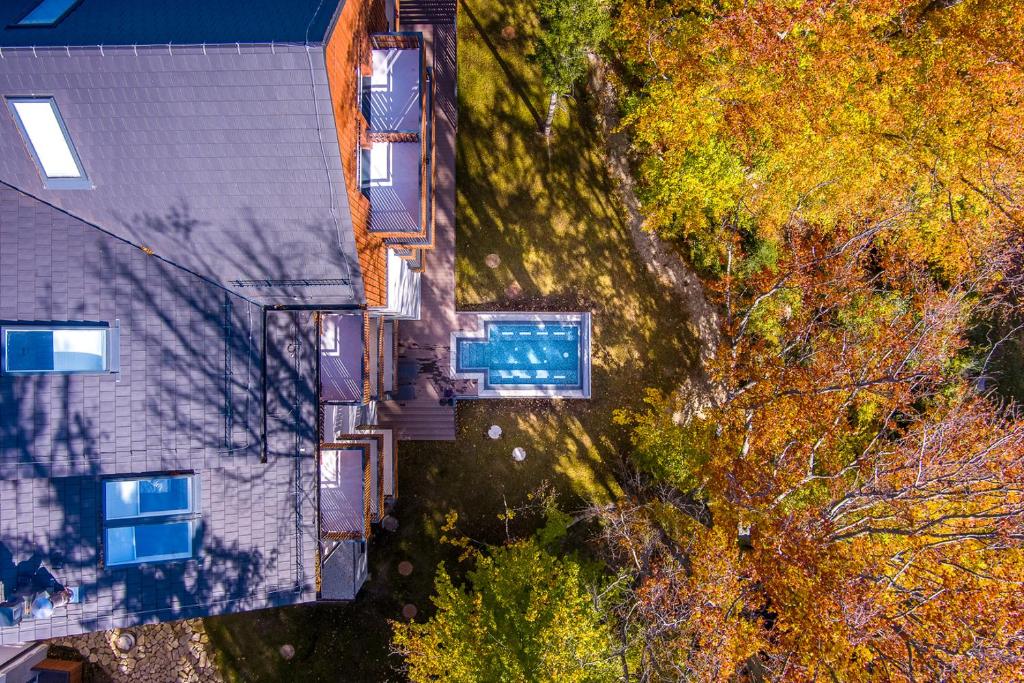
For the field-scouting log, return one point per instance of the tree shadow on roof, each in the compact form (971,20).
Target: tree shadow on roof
(188,397)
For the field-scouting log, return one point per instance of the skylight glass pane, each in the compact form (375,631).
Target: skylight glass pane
(148,519)
(120,545)
(163,541)
(47,12)
(364,167)
(80,350)
(58,350)
(28,351)
(121,498)
(39,119)
(168,495)
(148,542)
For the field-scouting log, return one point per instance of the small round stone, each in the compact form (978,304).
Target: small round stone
(492,260)
(124,642)
(287,651)
(519,454)
(494,432)
(405,567)
(409,611)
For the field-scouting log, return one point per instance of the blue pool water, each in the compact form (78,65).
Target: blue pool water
(524,353)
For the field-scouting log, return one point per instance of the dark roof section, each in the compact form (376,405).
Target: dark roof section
(222,160)
(188,397)
(291,371)
(159,22)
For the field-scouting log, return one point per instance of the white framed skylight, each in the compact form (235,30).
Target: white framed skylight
(147,497)
(48,141)
(149,519)
(47,13)
(158,542)
(29,350)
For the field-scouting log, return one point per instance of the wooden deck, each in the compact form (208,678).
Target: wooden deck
(425,342)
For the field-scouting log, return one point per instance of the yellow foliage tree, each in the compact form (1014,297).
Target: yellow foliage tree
(761,118)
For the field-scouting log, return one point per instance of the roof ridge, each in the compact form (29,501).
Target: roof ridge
(170,48)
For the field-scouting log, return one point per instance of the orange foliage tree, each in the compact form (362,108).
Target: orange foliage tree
(850,507)
(850,177)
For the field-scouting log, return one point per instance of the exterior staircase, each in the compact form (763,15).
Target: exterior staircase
(418,420)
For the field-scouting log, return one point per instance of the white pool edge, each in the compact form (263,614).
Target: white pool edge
(524,391)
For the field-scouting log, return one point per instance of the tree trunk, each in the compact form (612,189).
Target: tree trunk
(552,105)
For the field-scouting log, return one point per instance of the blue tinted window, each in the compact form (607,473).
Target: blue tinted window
(163,495)
(149,520)
(162,540)
(120,545)
(29,351)
(47,13)
(72,349)
(148,542)
(126,498)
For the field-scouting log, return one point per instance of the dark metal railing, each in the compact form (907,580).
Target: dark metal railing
(316,282)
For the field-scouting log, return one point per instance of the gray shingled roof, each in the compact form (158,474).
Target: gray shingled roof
(291,372)
(131,22)
(188,397)
(223,160)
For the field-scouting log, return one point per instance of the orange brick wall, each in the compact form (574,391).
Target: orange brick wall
(348,49)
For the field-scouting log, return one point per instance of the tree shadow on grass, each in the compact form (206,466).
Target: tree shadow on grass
(510,78)
(556,225)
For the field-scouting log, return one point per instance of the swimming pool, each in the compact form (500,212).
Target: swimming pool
(526,354)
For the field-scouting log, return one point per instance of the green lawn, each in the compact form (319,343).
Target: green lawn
(550,216)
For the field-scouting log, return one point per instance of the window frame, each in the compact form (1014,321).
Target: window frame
(151,519)
(82,181)
(111,354)
(19,23)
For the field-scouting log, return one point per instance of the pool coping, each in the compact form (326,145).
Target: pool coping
(521,391)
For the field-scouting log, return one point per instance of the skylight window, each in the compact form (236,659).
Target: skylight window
(146,497)
(33,350)
(48,140)
(47,13)
(149,520)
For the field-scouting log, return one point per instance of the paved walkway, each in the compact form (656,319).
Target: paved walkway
(425,343)
(172,651)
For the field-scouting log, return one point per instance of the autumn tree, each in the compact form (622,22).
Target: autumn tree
(759,117)
(569,30)
(524,615)
(848,178)
(850,507)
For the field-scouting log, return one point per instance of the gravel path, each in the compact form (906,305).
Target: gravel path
(172,651)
